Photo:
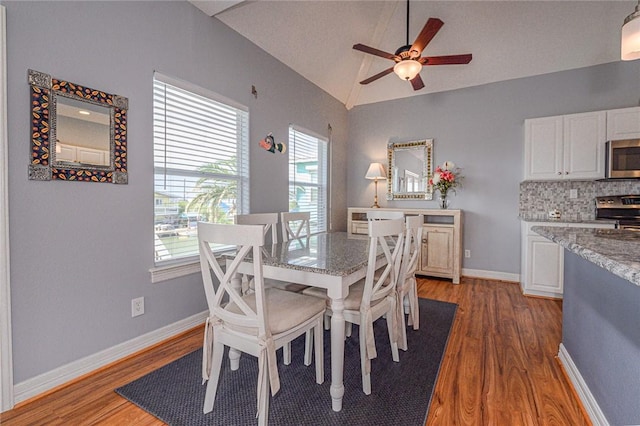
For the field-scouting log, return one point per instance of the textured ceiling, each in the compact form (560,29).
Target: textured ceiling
(508,39)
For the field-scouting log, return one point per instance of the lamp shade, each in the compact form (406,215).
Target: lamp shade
(630,44)
(376,171)
(407,69)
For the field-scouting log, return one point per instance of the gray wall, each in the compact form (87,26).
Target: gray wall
(481,130)
(601,332)
(81,251)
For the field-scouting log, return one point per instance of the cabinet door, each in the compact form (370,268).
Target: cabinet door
(584,143)
(543,148)
(437,250)
(623,124)
(359,228)
(92,156)
(545,266)
(65,152)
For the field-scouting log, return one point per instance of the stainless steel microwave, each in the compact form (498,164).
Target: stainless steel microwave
(623,159)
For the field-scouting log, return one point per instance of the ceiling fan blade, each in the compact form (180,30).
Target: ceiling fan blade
(417,82)
(377,52)
(429,31)
(377,76)
(446,60)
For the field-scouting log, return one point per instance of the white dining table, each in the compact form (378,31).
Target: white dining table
(333,261)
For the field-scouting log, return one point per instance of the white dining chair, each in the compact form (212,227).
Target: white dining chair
(269,220)
(384,215)
(258,323)
(270,223)
(407,287)
(295,225)
(375,295)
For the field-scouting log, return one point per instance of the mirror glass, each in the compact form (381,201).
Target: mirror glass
(83,134)
(409,168)
(78,133)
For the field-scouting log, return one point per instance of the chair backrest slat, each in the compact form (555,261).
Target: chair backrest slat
(295,225)
(412,247)
(384,215)
(249,240)
(378,287)
(269,220)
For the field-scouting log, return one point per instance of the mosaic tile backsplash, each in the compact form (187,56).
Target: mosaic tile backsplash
(537,198)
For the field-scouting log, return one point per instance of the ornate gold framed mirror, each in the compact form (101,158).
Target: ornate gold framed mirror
(410,166)
(77,133)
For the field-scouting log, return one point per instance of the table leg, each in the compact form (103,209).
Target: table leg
(337,353)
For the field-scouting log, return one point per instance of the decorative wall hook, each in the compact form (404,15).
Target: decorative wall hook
(254,92)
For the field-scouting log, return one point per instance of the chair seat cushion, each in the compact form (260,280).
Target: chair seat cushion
(352,301)
(285,309)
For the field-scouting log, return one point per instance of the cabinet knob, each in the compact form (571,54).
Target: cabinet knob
(566,173)
(559,173)
(424,241)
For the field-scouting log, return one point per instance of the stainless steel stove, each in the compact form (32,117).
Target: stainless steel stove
(623,208)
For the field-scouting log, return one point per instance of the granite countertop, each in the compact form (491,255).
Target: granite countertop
(616,250)
(568,219)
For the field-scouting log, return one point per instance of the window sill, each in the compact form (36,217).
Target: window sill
(169,272)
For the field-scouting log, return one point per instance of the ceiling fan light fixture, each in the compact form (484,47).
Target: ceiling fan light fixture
(407,69)
(630,44)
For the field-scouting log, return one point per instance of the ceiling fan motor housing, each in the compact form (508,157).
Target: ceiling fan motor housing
(404,52)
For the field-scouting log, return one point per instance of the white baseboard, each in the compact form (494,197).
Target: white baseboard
(49,380)
(590,404)
(491,275)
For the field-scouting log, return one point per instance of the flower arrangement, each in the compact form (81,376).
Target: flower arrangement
(446,177)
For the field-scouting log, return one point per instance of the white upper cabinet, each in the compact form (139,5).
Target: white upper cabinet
(565,147)
(543,148)
(584,145)
(623,123)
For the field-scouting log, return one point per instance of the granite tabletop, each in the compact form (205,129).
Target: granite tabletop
(616,250)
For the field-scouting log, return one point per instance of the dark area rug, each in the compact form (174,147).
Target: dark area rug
(401,392)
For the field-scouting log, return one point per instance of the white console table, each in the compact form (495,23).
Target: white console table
(441,239)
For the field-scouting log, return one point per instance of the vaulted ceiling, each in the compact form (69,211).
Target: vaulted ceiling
(508,39)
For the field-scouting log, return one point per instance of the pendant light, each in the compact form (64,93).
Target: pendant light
(630,45)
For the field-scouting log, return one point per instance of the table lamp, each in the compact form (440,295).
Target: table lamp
(375,172)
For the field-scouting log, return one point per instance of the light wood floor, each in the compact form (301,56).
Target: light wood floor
(500,368)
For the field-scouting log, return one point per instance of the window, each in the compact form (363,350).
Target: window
(201,168)
(308,170)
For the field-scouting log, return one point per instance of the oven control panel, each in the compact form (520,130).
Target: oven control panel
(623,208)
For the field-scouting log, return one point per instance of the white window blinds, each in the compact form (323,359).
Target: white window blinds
(308,170)
(201,168)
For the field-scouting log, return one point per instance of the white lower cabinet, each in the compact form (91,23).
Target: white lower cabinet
(542,260)
(437,250)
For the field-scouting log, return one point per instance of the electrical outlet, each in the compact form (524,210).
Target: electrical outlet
(137,306)
(467,253)
(573,193)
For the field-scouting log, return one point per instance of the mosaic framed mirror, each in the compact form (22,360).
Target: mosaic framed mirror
(77,133)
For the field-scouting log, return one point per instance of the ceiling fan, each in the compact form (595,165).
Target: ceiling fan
(408,61)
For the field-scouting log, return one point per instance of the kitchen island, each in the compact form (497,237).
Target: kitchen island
(600,347)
